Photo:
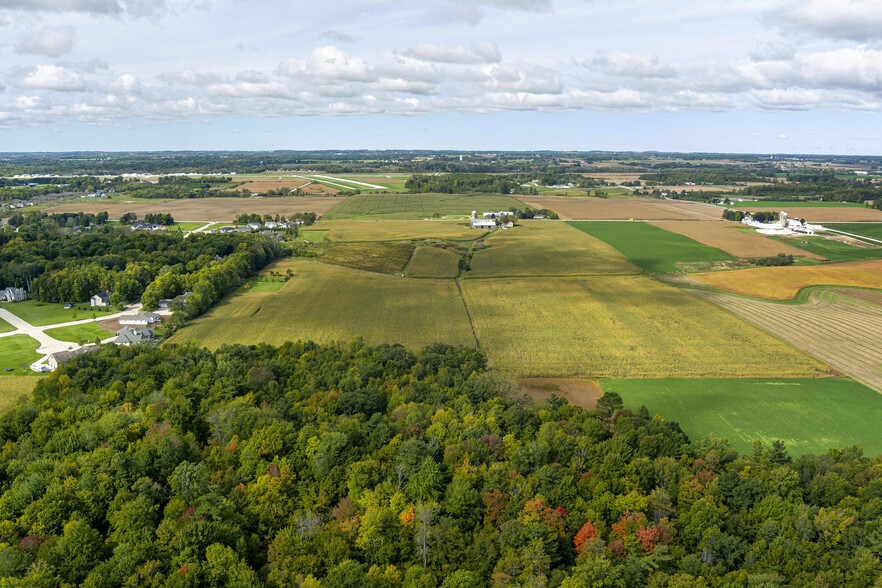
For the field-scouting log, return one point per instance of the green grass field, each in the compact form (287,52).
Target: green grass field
(312,236)
(417,206)
(187,226)
(433,262)
(379,256)
(4,326)
(398,230)
(13,389)
(784,204)
(16,350)
(651,248)
(49,313)
(330,303)
(810,415)
(833,250)
(76,333)
(630,326)
(872,230)
(546,248)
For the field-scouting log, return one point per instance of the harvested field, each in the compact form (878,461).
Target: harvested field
(726,236)
(319,189)
(624,208)
(373,256)
(842,327)
(417,206)
(204,209)
(262,185)
(546,248)
(326,303)
(822,214)
(806,414)
(620,327)
(578,392)
(433,262)
(397,230)
(783,283)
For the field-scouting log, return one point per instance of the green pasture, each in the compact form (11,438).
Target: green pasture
(312,236)
(833,250)
(187,226)
(16,350)
(264,284)
(810,415)
(4,326)
(76,333)
(651,248)
(785,204)
(329,303)
(433,262)
(417,206)
(380,256)
(546,248)
(872,230)
(49,313)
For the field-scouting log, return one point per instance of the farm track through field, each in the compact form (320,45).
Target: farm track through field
(840,326)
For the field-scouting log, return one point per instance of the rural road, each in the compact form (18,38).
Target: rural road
(50,345)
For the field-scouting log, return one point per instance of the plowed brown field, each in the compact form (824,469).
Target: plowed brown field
(783,283)
(841,327)
(262,185)
(623,208)
(204,209)
(726,236)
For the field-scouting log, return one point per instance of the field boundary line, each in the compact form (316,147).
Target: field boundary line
(468,310)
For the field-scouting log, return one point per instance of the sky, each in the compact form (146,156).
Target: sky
(753,76)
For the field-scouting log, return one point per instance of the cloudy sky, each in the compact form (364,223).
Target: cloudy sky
(691,75)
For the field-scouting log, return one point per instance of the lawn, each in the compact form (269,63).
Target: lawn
(833,250)
(546,248)
(312,236)
(653,249)
(13,389)
(49,313)
(627,326)
(390,230)
(187,226)
(16,350)
(810,415)
(4,326)
(79,333)
(264,284)
(329,303)
(417,206)
(433,262)
(872,230)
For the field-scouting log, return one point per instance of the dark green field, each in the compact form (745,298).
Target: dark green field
(651,248)
(872,230)
(833,250)
(417,206)
(838,412)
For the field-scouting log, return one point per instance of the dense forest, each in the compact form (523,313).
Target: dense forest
(69,257)
(348,465)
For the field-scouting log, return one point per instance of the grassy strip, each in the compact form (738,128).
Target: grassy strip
(806,413)
(15,351)
(79,333)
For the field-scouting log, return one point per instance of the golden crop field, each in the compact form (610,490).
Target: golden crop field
(326,303)
(726,235)
(12,388)
(824,214)
(630,326)
(397,230)
(623,208)
(433,262)
(840,326)
(547,248)
(783,283)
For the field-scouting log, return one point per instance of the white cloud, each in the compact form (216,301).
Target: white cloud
(49,42)
(856,20)
(617,63)
(53,77)
(473,10)
(339,36)
(329,64)
(99,6)
(475,54)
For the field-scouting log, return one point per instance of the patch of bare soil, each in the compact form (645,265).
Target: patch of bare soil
(578,392)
